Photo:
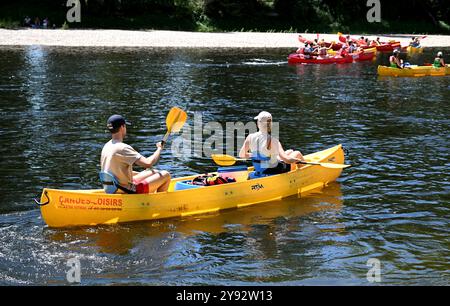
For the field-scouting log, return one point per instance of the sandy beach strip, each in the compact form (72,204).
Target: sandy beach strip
(180,39)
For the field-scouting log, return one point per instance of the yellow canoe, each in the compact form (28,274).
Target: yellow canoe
(65,208)
(414,50)
(413,71)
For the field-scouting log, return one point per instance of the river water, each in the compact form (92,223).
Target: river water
(392,205)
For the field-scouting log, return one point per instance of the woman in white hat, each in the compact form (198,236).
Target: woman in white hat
(439,60)
(261,145)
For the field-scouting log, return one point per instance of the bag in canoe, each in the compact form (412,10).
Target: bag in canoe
(211,180)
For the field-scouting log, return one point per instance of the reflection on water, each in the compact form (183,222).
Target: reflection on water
(391,205)
(235,220)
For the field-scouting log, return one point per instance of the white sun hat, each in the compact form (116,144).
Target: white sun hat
(263,116)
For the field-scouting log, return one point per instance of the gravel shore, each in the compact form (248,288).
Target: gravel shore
(125,38)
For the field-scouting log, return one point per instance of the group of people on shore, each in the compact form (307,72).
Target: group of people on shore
(37,24)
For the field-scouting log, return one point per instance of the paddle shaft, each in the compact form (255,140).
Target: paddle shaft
(230,160)
(311,163)
(163,141)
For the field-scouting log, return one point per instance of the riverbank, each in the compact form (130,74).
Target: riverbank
(180,39)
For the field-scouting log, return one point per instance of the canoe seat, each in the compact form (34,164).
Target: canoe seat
(258,164)
(111,185)
(109,182)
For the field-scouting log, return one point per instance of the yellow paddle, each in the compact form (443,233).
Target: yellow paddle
(174,122)
(228,160)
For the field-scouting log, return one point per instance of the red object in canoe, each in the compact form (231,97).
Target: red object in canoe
(388,47)
(334,46)
(304,40)
(300,59)
(361,56)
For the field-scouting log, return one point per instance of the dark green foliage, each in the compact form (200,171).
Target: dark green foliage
(411,16)
(232,8)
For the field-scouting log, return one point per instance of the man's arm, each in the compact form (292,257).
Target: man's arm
(147,162)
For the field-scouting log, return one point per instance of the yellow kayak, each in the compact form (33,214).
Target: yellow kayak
(414,50)
(65,208)
(413,71)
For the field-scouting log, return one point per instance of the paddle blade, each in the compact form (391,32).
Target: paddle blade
(326,165)
(223,160)
(334,166)
(175,119)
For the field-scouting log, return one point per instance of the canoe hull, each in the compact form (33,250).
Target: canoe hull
(418,71)
(389,47)
(363,56)
(68,208)
(299,59)
(414,50)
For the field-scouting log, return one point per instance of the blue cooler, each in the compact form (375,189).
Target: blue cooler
(185,185)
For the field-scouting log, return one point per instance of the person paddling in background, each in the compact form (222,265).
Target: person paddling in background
(415,42)
(375,42)
(343,51)
(308,51)
(118,158)
(395,61)
(262,145)
(322,51)
(301,50)
(439,60)
(351,47)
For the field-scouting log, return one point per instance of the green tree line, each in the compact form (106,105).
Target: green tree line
(430,16)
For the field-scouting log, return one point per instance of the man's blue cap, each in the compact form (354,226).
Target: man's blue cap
(116,121)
